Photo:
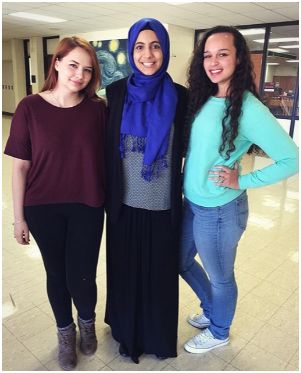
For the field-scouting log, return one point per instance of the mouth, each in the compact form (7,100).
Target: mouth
(76,82)
(216,71)
(148,64)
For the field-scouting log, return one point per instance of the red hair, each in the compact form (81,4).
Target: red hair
(65,46)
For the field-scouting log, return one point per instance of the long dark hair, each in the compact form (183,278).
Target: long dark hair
(64,47)
(201,88)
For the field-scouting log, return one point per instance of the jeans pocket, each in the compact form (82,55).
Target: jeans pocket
(242,211)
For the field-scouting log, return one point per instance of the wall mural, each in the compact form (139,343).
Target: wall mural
(113,62)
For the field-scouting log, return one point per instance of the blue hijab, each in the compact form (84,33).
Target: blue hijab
(150,105)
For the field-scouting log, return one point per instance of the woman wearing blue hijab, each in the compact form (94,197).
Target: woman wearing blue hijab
(144,159)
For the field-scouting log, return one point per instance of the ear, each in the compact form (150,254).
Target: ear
(56,65)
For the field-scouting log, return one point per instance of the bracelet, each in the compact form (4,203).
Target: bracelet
(18,222)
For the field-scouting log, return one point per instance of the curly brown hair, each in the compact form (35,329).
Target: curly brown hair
(201,88)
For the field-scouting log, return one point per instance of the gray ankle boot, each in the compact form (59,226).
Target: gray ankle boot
(67,347)
(88,341)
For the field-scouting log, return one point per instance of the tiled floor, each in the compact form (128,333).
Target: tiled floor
(264,335)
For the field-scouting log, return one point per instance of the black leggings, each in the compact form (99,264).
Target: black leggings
(68,236)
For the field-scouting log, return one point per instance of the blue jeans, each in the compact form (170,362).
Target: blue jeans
(213,233)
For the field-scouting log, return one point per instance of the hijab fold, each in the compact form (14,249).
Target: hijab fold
(149,107)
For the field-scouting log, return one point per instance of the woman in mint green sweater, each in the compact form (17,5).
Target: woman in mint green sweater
(226,118)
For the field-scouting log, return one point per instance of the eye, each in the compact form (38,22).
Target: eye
(138,47)
(156,46)
(223,54)
(73,65)
(206,56)
(88,71)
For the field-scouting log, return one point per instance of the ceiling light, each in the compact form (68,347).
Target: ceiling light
(277,40)
(278,50)
(37,17)
(252,31)
(290,46)
(296,61)
(273,63)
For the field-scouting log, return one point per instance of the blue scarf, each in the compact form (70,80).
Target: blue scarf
(150,106)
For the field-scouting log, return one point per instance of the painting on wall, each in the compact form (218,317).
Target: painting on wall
(113,61)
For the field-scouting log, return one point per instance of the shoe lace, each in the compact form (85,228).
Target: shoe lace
(203,337)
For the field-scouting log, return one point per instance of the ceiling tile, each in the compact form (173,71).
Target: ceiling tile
(110,15)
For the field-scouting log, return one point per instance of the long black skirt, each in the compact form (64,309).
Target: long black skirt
(142,282)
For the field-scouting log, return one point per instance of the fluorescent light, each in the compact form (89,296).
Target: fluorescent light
(252,31)
(277,40)
(279,50)
(273,63)
(290,46)
(292,61)
(37,17)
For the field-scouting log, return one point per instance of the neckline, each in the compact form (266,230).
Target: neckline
(59,107)
(218,98)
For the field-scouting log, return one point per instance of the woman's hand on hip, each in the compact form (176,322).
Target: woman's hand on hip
(21,233)
(225,176)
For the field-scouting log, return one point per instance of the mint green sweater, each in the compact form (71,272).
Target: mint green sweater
(256,125)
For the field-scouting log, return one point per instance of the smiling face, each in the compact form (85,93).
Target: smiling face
(74,70)
(147,54)
(220,60)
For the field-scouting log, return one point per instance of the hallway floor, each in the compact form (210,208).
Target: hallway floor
(264,334)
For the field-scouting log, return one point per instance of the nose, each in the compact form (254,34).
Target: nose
(79,73)
(214,61)
(148,52)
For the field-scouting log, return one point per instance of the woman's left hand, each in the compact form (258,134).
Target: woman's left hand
(225,176)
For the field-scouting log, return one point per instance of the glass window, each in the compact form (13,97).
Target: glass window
(281,70)
(256,49)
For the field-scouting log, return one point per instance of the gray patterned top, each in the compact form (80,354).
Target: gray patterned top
(139,193)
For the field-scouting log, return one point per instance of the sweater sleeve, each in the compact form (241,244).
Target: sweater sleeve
(260,127)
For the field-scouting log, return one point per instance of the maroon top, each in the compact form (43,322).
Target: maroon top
(66,150)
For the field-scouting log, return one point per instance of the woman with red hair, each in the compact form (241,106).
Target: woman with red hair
(57,144)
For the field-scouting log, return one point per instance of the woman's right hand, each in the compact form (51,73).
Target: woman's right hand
(21,233)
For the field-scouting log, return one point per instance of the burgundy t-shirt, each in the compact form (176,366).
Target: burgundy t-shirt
(66,150)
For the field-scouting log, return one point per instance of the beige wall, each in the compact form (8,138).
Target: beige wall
(18,69)
(181,39)
(181,47)
(8,95)
(37,63)
(13,74)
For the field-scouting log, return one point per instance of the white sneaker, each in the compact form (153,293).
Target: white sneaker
(198,320)
(204,342)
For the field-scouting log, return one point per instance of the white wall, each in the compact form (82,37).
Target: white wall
(181,47)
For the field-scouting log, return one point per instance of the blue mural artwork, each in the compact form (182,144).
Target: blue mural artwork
(113,61)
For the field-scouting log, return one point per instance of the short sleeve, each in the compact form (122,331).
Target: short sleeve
(19,144)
